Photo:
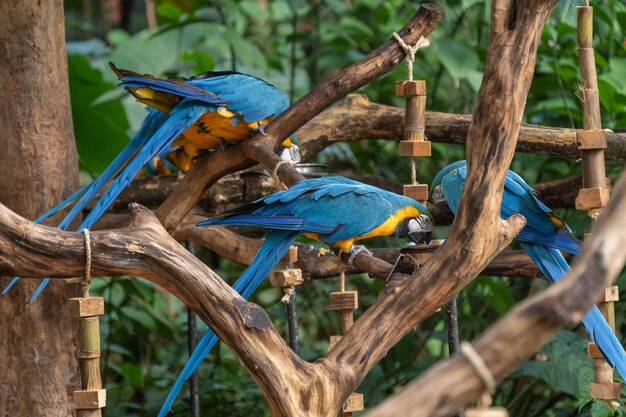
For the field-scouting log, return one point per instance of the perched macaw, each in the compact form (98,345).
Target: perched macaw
(335,210)
(185,118)
(543,237)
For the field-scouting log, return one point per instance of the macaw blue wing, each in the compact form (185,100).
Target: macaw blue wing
(276,244)
(554,267)
(249,96)
(542,225)
(542,238)
(337,203)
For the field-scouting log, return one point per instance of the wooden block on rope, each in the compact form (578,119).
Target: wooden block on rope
(487,412)
(602,371)
(353,403)
(411,88)
(90,399)
(417,192)
(591,139)
(611,294)
(344,300)
(333,342)
(592,198)
(415,147)
(605,390)
(86,307)
(291,257)
(593,351)
(285,277)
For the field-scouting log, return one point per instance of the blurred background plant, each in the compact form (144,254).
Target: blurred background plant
(294,45)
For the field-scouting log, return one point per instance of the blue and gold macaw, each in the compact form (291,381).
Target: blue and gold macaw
(334,210)
(185,117)
(543,237)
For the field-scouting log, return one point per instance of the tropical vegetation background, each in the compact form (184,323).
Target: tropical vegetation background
(295,44)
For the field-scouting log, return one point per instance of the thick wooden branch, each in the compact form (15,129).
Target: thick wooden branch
(357,118)
(217,164)
(477,233)
(451,384)
(145,249)
(241,249)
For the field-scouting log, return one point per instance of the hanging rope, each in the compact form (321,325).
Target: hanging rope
(289,290)
(411,50)
(342,281)
(413,172)
(279,184)
(483,371)
(86,282)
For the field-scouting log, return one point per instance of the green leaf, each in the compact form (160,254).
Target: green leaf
(601,409)
(132,374)
(100,129)
(169,11)
(616,74)
(204,62)
(139,316)
(458,59)
(567,369)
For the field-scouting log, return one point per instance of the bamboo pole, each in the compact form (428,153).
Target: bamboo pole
(346,302)
(90,400)
(594,195)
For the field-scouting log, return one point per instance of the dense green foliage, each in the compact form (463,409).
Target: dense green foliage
(295,44)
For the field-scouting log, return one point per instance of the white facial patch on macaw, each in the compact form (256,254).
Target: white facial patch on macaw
(437,195)
(420,229)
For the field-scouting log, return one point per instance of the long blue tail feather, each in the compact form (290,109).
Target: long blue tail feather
(154,121)
(276,244)
(11,284)
(62,204)
(158,132)
(84,195)
(554,266)
(559,239)
(182,117)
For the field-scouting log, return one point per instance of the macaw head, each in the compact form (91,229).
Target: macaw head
(437,195)
(419,229)
(290,151)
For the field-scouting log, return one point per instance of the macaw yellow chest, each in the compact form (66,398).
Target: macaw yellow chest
(384,229)
(210,128)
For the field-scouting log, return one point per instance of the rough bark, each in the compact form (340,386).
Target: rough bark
(357,118)
(38,168)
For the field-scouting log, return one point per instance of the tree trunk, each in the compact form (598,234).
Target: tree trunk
(38,168)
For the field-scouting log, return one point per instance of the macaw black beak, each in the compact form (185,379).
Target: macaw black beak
(421,237)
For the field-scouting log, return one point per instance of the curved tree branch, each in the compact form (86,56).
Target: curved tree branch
(477,233)
(358,118)
(145,249)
